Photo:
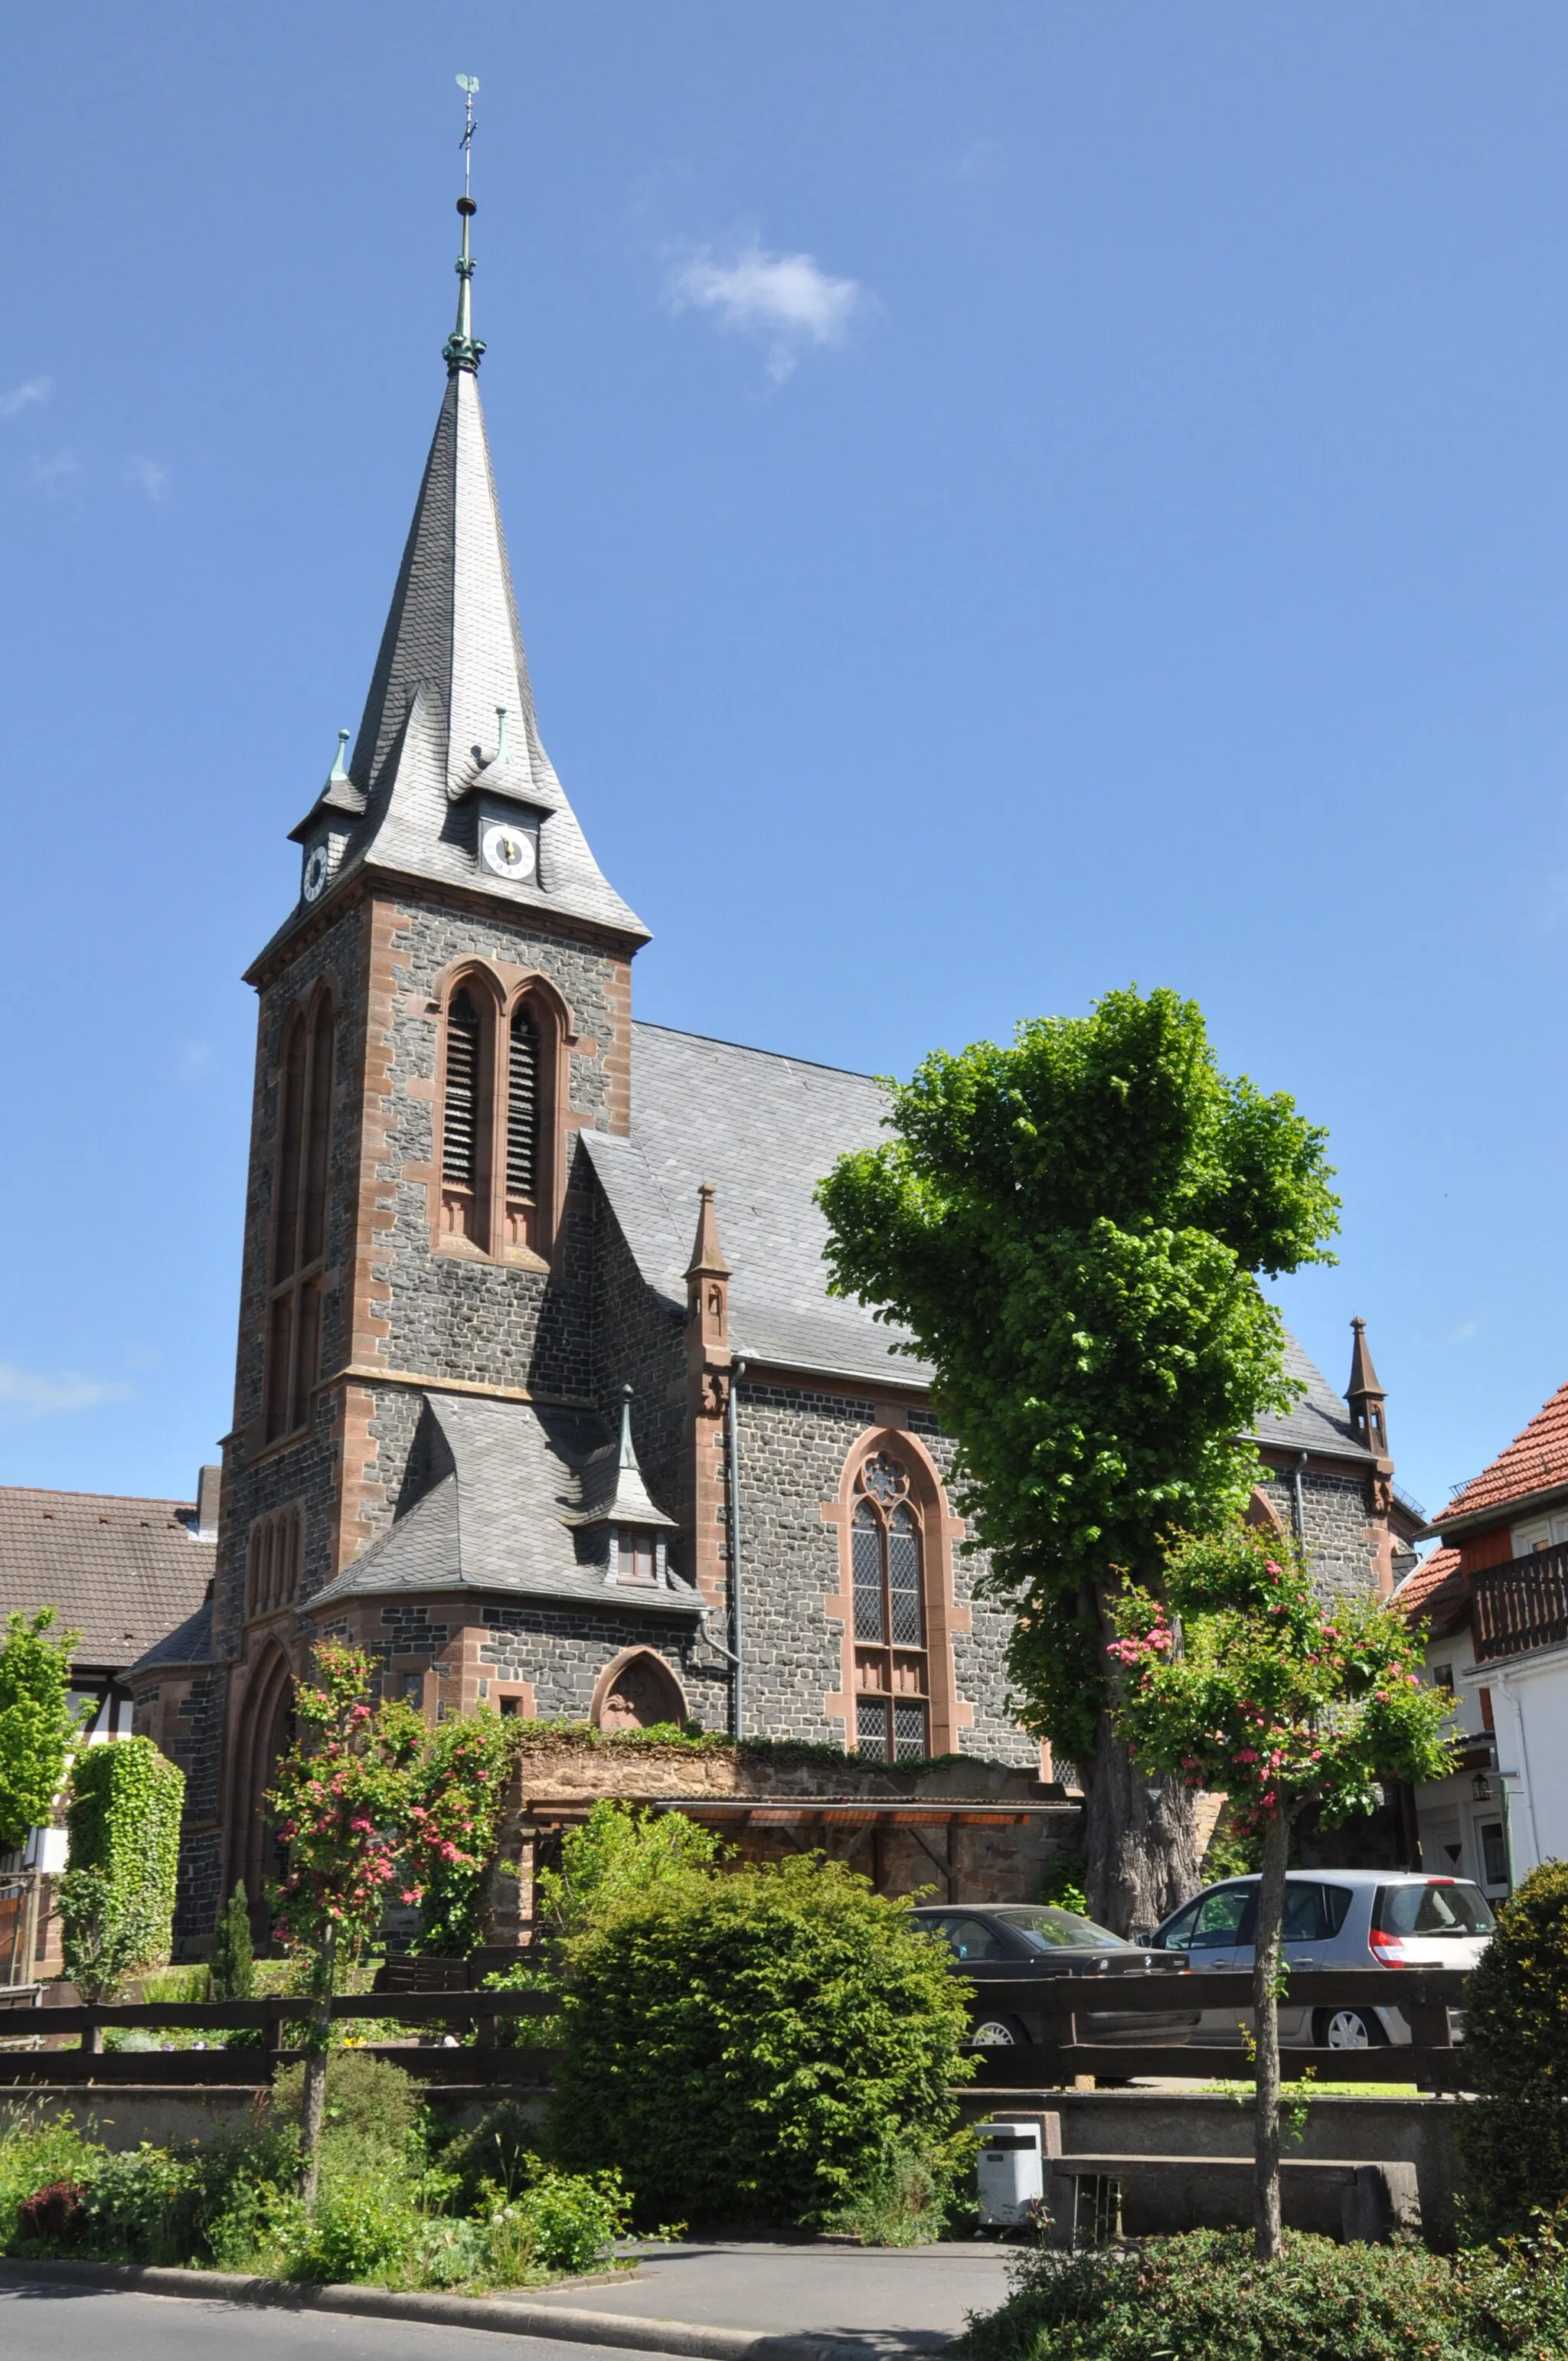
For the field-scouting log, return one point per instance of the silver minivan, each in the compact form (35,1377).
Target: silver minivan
(1333,1918)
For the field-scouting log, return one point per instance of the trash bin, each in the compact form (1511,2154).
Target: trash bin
(1010,2173)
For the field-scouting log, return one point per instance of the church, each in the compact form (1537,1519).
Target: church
(539,1396)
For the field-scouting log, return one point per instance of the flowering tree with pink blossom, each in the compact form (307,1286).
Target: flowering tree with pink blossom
(456,1798)
(342,1805)
(1242,1677)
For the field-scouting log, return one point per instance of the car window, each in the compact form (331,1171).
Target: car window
(1045,1929)
(1444,1905)
(1313,1912)
(970,1939)
(1220,1915)
(1178,1936)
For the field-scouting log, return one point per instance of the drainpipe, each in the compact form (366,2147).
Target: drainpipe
(732,1525)
(1301,1510)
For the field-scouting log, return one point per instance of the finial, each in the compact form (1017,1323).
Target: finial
(461,349)
(500,734)
(628,1457)
(339,767)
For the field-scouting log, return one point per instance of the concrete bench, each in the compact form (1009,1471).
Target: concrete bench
(1091,2198)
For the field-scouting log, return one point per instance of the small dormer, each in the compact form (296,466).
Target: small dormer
(632,1534)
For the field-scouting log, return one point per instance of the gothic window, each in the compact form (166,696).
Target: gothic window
(274,1561)
(637,1693)
(892,1696)
(299,1224)
(498,1104)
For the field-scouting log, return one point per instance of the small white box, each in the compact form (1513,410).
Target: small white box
(1010,2173)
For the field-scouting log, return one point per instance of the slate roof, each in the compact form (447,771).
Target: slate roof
(123,1572)
(430,739)
(1535,1461)
(764,1128)
(189,1642)
(500,1511)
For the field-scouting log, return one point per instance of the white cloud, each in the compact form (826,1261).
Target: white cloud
(22,397)
(149,475)
(787,300)
(23,1389)
(55,477)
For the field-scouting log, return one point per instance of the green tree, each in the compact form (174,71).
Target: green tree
(37,1721)
(233,1961)
(117,1899)
(615,1857)
(343,1803)
(1513,2136)
(1239,1677)
(1071,1230)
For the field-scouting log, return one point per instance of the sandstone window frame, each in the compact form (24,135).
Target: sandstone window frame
(947,1712)
(274,1561)
(645,1666)
(306,1097)
(507,1209)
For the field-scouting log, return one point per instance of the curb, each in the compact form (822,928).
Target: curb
(566,2325)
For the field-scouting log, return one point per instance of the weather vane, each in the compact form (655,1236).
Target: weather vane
(467,84)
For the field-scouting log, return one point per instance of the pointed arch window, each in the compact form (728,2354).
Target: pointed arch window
(498,1100)
(893,1690)
(301,1173)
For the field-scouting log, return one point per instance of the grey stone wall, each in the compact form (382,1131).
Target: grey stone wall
(792,1445)
(1335,1512)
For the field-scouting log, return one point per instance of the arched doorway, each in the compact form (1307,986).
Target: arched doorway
(266,1734)
(636,1691)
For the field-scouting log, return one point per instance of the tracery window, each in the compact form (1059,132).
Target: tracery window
(497,1105)
(298,1225)
(893,1693)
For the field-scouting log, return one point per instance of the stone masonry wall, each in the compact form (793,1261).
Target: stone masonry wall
(1336,1512)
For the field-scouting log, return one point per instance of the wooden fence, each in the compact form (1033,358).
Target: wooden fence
(1047,2005)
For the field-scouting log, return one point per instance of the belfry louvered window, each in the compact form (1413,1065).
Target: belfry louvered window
(893,1712)
(301,1173)
(522,1105)
(460,1136)
(498,1100)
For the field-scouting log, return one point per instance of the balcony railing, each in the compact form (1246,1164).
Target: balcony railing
(1522,1605)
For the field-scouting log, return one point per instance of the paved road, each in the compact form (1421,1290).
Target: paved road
(51,2322)
(896,2303)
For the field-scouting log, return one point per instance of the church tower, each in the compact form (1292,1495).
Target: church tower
(445,1008)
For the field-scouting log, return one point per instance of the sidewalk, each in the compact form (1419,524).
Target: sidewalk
(893,2300)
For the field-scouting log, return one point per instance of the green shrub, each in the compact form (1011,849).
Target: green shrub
(360,2229)
(234,1961)
(1204,2298)
(37,2152)
(117,1899)
(493,2156)
(912,2196)
(754,2046)
(37,1720)
(372,2113)
(563,2221)
(617,1855)
(1065,1882)
(1513,2139)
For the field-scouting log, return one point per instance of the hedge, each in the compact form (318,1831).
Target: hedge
(117,1895)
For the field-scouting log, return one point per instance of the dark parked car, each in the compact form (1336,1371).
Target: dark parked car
(1007,1941)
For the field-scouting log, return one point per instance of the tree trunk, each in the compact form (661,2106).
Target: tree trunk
(312,2098)
(1267,2238)
(1140,1836)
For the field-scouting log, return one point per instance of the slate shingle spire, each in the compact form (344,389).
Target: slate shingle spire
(449,736)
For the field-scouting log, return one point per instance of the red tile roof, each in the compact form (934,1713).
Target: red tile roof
(121,1571)
(1435,1591)
(1533,1462)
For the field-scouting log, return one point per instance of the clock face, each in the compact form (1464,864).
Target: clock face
(506,848)
(316,872)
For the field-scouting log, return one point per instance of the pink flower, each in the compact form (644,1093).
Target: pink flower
(1247,1754)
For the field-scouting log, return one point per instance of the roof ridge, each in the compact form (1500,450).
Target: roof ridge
(750,1050)
(52,1492)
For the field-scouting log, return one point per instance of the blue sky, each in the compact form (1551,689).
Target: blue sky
(1007,500)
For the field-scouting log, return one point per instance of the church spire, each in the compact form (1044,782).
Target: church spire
(449,780)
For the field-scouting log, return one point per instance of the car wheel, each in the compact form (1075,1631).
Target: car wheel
(997,2032)
(1347,2028)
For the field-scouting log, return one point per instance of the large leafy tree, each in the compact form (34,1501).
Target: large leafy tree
(1072,1230)
(38,1723)
(1240,1676)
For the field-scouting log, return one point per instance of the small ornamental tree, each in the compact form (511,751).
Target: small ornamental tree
(456,1798)
(342,1804)
(117,1899)
(1239,1677)
(233,1964)
(1071,1229)
(37,1721)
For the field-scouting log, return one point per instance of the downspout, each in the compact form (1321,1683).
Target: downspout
(1300,1506)
(732,1524)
